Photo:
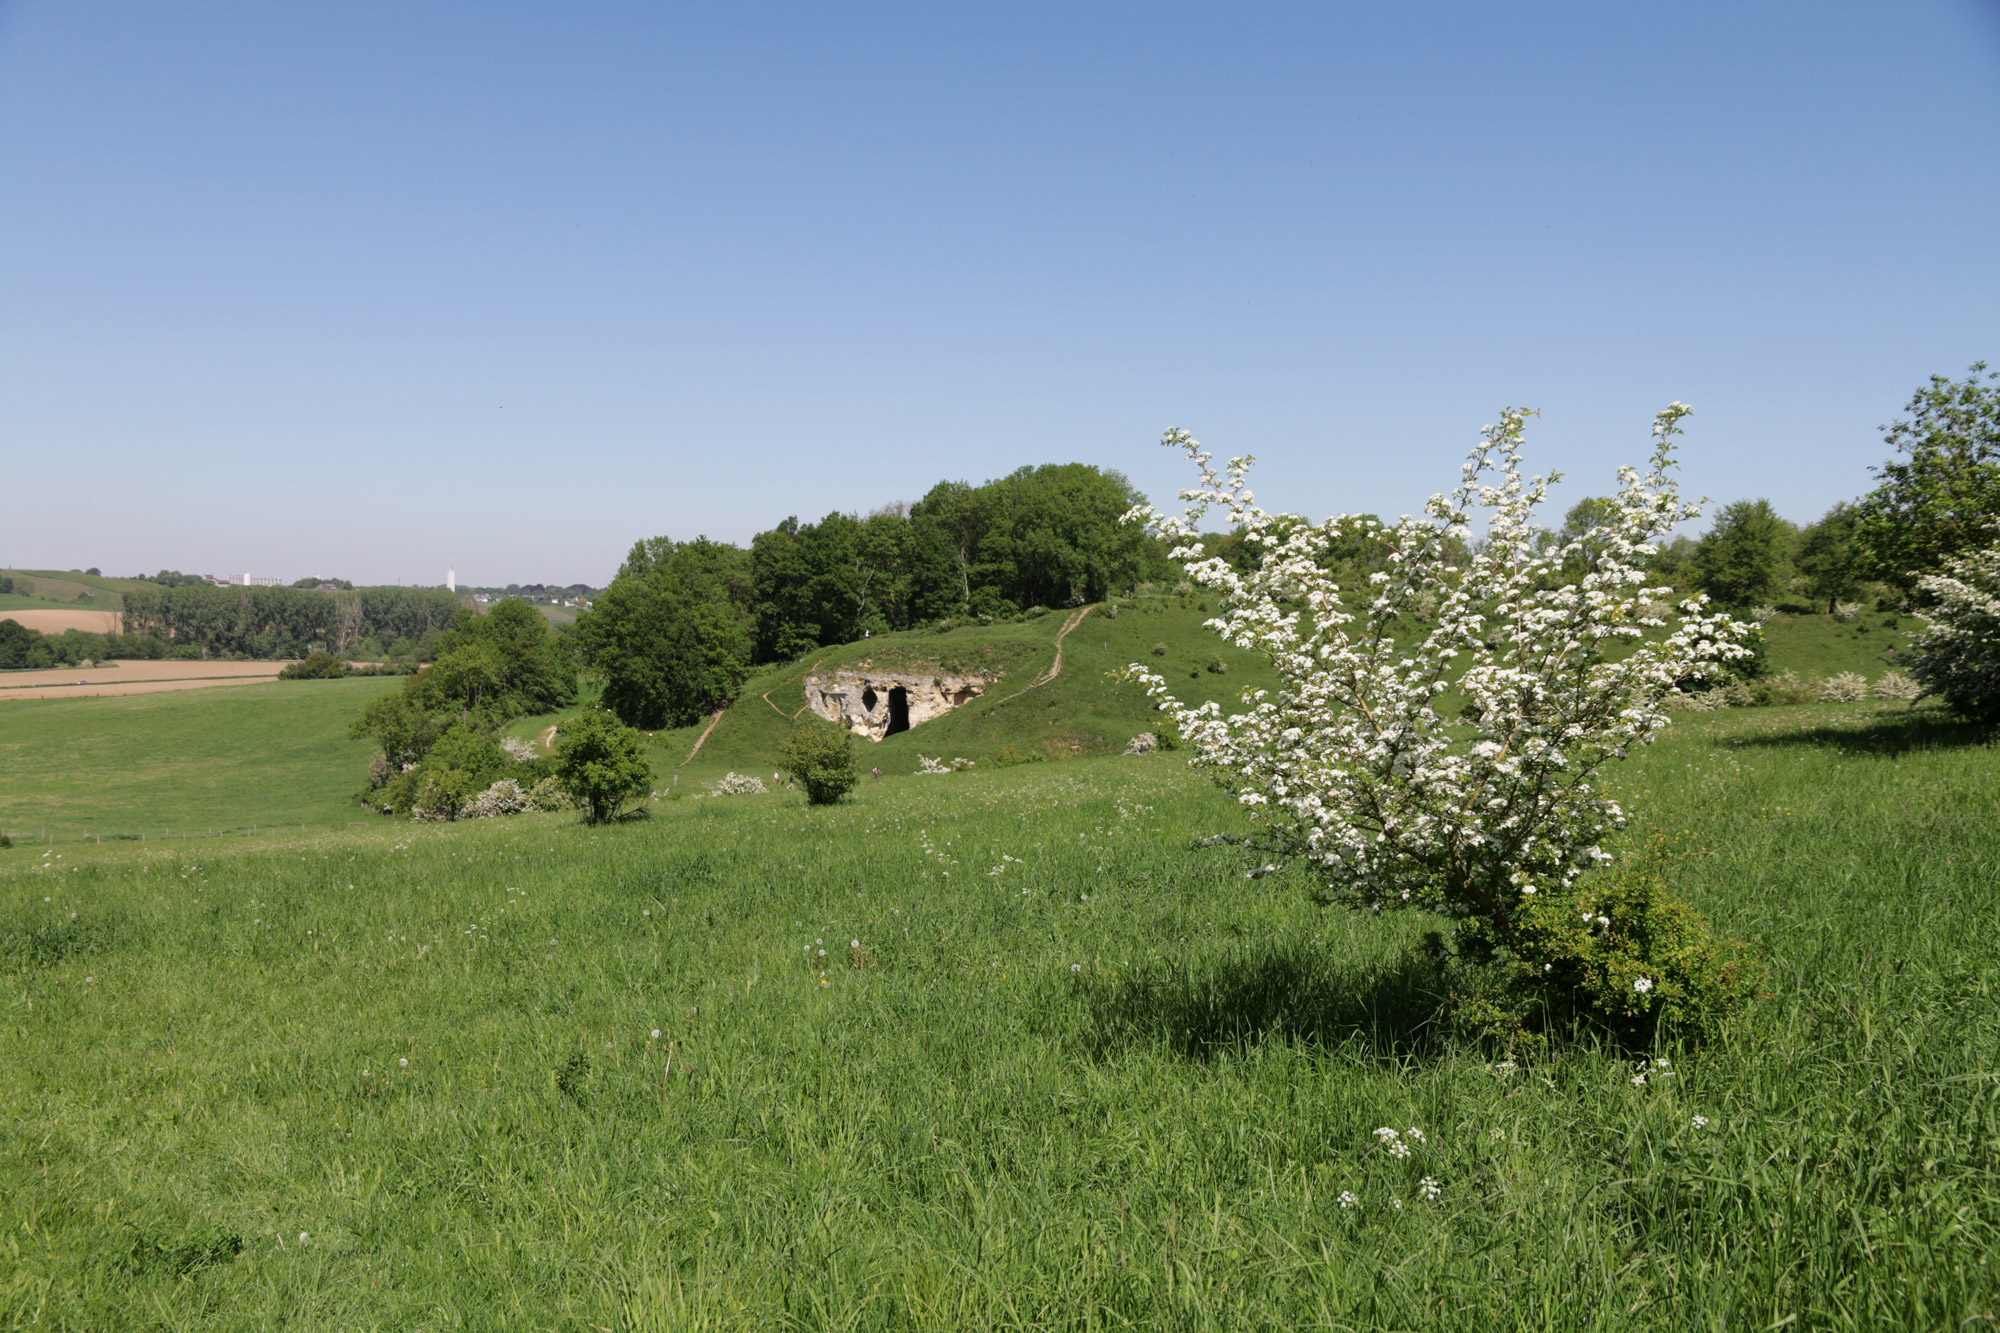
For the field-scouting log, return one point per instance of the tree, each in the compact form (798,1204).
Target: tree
(1485,816)
(1943,498)
(666,636)
(1827,558)
(601,764)
(821,756)
(1743,559)
(1957,657)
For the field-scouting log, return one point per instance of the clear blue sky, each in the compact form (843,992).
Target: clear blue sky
(356,289)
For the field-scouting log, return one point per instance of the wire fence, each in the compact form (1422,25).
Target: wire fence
(50,835)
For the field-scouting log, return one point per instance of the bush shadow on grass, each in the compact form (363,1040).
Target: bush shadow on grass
(1397,1009)
(1888,735)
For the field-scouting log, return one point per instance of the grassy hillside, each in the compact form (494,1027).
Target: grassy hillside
(1080,712)
(225,757)
(68,588)
(1825,646)
(1068,1074)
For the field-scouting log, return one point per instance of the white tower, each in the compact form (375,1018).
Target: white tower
(451,580)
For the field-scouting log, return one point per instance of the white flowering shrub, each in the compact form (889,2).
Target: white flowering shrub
(932,765)
(1144,743)
(1351,769)
(1760,614)
(1957,656)
(1845,687)
(1846,610)
(1897,686)
(504,797)
(519,750)
(737,784)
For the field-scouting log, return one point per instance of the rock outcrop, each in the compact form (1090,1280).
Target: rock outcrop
(881,703)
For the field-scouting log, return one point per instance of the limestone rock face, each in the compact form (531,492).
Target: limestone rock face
(881,703)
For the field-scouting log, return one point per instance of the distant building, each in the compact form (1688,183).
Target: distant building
(248,581)
(451,580)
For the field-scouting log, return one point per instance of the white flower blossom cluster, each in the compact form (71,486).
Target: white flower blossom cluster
(1350,766)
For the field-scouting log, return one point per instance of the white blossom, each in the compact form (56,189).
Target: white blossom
(1349,766)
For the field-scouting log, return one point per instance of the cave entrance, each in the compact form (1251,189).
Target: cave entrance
(899,711)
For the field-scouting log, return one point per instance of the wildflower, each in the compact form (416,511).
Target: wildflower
(1347,1199)
(1642,985)
(1386,1134)
(1399,1149)
(656,1034)
(403,1063)
(854,944)
(1429,1189)
(1700,1122)
(1076,967)
(1638,1080)
(302,1238)
(1396,1204)
(1505,1067)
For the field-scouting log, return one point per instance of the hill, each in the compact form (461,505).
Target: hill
(1078,712)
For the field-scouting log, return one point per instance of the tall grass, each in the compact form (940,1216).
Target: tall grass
(1054,1070)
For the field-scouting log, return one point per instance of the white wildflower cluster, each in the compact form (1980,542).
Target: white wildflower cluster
(1350,766)
(1144,743)
(938,765)
(1846,610)
(1957,657)
(1846,687)
(737,784)
(1897,686)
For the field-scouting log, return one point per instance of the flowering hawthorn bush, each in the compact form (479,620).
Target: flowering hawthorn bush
(1957,657)
(1352,769)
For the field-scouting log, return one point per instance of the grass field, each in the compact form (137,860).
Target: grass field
(225,758)
(1054,1070)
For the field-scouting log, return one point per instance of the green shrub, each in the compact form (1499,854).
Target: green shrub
(314,666)
(821,757)
(601,764)
(1620,953)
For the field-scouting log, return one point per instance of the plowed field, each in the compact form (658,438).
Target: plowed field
(132,678)
(56,621)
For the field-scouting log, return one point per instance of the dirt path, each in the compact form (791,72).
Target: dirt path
(704,736)
(549,740)
(1055,667)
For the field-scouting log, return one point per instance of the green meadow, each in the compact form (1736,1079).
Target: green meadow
(990,1050)
(182,762)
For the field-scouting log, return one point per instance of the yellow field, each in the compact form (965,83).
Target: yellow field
(51,621)
(132,678)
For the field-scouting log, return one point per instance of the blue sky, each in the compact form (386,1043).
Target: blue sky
(358,289)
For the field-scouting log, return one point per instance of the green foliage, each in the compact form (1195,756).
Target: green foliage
(1827,557)
(1621,954)
(601,764)
(1942,498)
(315,666)
(285,622)
(821,757)
(1745,557)
(666,636)
(508,661)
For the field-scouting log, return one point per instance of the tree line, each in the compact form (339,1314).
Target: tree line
(1937,499)
(683,623)
(291,622)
